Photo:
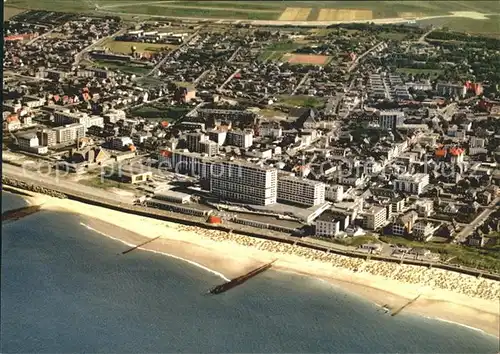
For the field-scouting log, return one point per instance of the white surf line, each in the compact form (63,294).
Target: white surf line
(198,265)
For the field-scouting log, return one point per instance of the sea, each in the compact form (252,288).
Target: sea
(66,288)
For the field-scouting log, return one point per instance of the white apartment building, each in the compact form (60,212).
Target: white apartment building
(424,207)
(423,230)
(301,191)
(29,142)
(374,218)
(330,224)
(210,148)
(269,130)
(451,89)
(66,117)
(241,139)
(185,162)
(69,133)
(334,193)
(243,182)
(413,184)
(391,119)
(218,136)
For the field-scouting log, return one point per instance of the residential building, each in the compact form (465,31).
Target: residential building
(119,143)
(330,224)
(210,148)
(334,193)
(29,142)
(239,138)
(411,183)
(243,182)
(218,136)
(404,224)
(301,191)
(47,137)
(69,133)
(449,89)
(391,119)
(193,141)
(374,218)
(66,117)
(423,230)
(425,207)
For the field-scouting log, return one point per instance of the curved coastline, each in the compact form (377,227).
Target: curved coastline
(233,259)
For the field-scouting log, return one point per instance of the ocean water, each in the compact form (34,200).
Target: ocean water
(66,289)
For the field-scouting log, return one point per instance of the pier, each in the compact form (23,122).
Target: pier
(239,280)
(20,213)
(140,245)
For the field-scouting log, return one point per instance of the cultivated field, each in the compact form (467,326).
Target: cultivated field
(345,15)
(8,12)
(307,59)
(295,14)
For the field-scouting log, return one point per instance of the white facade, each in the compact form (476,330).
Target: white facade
(413,184)
(423,230)
(244,183)
(334,193)
(375,217)
(27,141)
(120,142)
(390,119)
(65,117)
(301,191)
(241,139)
(325,228)
(69,133)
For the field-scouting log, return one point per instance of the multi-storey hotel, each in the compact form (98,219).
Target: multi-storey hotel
(301,191)
(244,182)
(413,184)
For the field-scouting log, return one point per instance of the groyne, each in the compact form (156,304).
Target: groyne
(20,213)
(219,289)
(191,220)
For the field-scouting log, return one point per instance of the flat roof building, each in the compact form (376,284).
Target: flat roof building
(301,191)
(244,182)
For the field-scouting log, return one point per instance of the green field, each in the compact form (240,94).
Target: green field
(271,10)
(125,67)
(412,71)
(301,101)
(490,27)
(125,47)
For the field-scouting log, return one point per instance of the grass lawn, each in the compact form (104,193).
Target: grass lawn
(9,12)
(161,113)
(125,47)
(237,14)
(395,36)
(489,27)
(125,67)
(431,72)
(302,101)
(456,254)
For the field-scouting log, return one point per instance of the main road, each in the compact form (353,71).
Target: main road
(481,218)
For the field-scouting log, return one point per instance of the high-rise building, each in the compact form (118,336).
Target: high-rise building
(193,141)
(46,137)
(301,191)
(240,138)
(69,133)
(211,148)
(243,182)
(375,217)
(391,119)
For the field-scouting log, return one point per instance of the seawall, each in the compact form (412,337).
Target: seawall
(190,220)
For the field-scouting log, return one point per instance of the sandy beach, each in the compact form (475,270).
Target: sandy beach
(445,295)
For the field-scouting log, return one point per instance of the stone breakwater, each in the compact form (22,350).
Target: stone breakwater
(430,277)
(31,187)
